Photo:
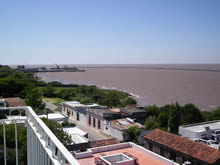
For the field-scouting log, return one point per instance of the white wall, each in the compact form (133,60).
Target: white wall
(184,132)
(114,132)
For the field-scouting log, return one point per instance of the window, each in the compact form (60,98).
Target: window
(173,156)
(213,137)
(161,151)
(89,120)
(99,124)
(150,146)
(77,116)
(93,122)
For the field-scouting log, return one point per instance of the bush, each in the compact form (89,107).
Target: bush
(133,132)
(57,129)
(67,124)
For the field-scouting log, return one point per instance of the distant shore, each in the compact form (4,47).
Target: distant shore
(165,84)
(183,69)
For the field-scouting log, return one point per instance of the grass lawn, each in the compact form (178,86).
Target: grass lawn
(54,100)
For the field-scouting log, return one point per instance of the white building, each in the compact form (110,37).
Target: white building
(117,128)
(75,110)
(55,117)
(206,130)
(75,130)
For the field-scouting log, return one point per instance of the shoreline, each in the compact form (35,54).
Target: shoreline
(153,68)
(142,100)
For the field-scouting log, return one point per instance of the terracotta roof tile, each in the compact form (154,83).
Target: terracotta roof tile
(14,101)
(188,147)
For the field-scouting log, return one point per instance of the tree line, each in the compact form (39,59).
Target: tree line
(29,87)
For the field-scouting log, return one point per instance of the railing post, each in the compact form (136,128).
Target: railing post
(16,142)
(63,160)
(5,154)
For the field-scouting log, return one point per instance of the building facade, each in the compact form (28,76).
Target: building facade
(76,111)
(99,118)
(117,128)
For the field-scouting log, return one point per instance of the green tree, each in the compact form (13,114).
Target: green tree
(133,132)
(110,100)
(34,99)
(58,131)
(174,118)
(208,116)
(129,101)
(216,114)
(153,110)
(10,143)
(49,91)
(163,119)
(190,114)
(151,124)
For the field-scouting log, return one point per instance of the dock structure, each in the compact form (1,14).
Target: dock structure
(44,69)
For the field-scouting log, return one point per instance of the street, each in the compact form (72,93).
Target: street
(93,134)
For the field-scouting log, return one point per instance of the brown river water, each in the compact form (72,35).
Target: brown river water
(152,84)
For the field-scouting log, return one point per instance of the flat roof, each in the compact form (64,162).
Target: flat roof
(78,104)
(17,117)
(77,139)
(74,130)
(74,104)
(200,127)
(101,111)
(54,116)
(20,119)
(142,157)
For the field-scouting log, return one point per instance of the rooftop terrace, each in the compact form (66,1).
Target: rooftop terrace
(130,150)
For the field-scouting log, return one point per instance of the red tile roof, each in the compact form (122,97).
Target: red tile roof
(188,147)
(106,142)
(14,101)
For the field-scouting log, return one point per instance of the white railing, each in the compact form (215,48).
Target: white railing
(43,147)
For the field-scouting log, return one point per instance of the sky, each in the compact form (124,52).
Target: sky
(109,31)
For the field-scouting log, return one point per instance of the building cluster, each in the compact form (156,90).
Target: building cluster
(111,121)
(196,144)
(184,149)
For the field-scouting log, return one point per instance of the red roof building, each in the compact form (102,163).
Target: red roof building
(14,102)
(181,149)
(123,154)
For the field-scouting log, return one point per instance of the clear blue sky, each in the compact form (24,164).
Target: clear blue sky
(109,31)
